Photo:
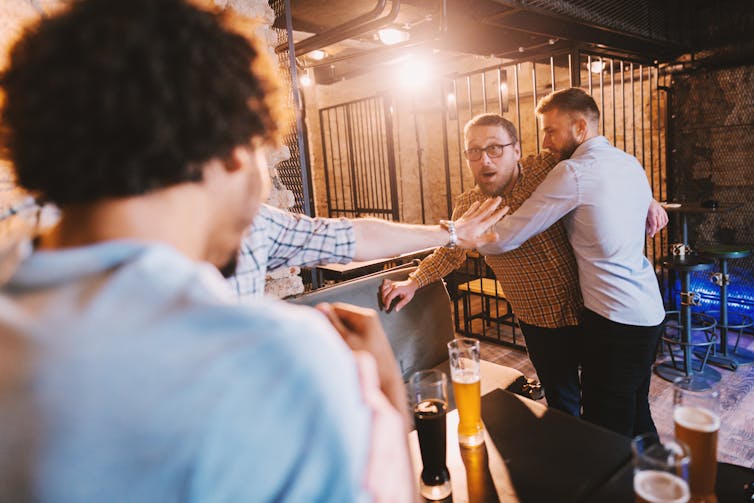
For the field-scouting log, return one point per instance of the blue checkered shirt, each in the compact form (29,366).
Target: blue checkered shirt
(278,238)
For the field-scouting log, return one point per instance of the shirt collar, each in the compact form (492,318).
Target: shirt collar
(591,144)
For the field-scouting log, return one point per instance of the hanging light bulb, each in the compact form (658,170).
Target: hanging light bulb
(306,79)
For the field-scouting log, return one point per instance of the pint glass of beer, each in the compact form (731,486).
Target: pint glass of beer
(696,414)
(429,402)
(660,470)
(464,372)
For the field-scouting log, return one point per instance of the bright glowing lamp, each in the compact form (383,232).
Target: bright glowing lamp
(392,36)
(415,73)
(597,66)
(306,79)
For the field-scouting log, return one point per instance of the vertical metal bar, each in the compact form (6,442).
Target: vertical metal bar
(534,97)
(352,162)
(379,191)
(663,121)
(339,176)
(419,160)
(499,91)
(388,122)
(382,152)
(346,169)
(589,71)
(623,103)
(641,103)
(602,92)
(570,70)
(360,164)
(306,191)
(383,163)
(633,110)
(484,91)
(468,88)
(612,90)
(516,69)
(651,128)
(660,168)
(375,120)
(661,132)
(445,153)
(458,135)
(552,74)
(471,115)
(374,158)
(651,170)
(322,114)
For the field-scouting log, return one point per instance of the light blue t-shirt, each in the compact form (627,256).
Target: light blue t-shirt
(148,384)
(603,195)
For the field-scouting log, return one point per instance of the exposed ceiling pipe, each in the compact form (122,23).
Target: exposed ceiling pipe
(343,32)
(364,18)
(387,50)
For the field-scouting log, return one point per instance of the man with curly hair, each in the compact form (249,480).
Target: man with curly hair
(137,377)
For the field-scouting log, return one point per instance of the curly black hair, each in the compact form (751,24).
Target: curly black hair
(114,98)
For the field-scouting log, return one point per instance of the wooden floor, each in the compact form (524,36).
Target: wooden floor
(736,441)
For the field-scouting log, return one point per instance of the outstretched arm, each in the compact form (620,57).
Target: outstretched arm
(379,238)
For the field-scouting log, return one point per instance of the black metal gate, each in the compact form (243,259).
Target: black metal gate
(359,158)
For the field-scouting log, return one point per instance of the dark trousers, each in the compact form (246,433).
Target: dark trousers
(555,353)
(616,368)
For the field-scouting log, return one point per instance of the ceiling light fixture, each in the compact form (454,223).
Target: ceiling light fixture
(392,36)
(318,55)
(597,66)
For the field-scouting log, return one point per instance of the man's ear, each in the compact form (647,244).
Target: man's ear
(517,150)
(580,127)
(238,158)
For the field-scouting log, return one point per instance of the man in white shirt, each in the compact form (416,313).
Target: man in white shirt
(603,195)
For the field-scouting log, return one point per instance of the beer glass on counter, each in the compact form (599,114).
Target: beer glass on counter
(660,470)
(429,402)
(696,414)
(464,372)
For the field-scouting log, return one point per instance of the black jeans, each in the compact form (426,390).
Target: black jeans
(555,353)
(616,368)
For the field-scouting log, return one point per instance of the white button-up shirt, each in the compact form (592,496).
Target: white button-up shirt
(604,196)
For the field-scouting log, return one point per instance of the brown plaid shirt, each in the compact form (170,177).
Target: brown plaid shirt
(539,278)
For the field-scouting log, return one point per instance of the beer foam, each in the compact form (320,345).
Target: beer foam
(696,418)
(465,376)
(660,487)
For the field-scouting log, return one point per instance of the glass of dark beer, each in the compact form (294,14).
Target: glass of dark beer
(429,401)
(696,414)
(661,470)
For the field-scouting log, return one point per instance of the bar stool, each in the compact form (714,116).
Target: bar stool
(728,357)
(669,369)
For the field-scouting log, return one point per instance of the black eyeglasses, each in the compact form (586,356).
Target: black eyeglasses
(493,151)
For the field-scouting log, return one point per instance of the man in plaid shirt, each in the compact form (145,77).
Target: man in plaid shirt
(540,278)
